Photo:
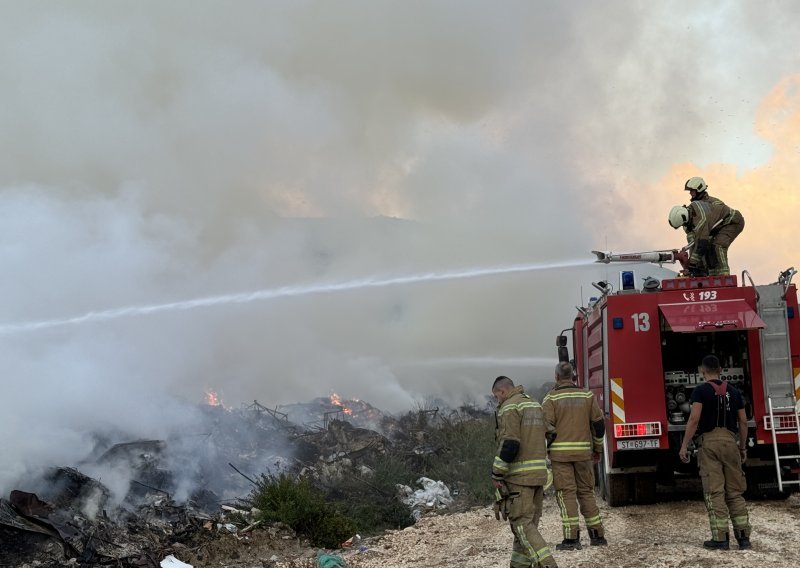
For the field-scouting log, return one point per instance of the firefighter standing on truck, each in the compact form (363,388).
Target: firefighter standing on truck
(719,418)
(711,225)
(519,472)
(576,427)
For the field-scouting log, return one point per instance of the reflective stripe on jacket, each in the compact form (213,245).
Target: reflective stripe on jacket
(733,216)
(520,418)
(569,412)
(706,218)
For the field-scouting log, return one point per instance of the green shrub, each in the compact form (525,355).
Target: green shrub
(372,501)
(457,449)
(464,463)
(297,504)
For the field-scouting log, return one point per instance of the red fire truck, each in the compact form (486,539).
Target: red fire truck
(638,350)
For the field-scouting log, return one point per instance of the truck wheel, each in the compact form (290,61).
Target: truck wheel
(617,489)
(762,484)
(613,486)
(644,487)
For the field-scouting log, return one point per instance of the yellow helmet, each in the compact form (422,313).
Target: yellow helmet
(678,216)
(696,183)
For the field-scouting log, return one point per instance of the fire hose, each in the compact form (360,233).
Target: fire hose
(656,256)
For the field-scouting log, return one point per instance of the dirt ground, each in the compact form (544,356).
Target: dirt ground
(665,535)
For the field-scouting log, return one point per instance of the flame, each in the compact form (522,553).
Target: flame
(212,398)
(336,400)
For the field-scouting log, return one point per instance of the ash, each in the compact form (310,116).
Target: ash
(133,502)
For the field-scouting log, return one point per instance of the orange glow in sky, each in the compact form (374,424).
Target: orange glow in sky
(767,195)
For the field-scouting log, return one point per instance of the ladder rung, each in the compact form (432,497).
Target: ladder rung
(788,457)
(793,482)
(775,335)
(777,358)
(772,309)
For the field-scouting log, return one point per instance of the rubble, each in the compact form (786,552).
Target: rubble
(69,516)
(150,503)
(317,414)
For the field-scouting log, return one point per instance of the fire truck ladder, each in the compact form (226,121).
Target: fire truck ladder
(778,376)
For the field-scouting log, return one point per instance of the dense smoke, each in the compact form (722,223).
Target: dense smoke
(159,152)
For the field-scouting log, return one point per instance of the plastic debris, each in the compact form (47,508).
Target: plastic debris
(351,541)
(330,561)
(433,495)
(172,562)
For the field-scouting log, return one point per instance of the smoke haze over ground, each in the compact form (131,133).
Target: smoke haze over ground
(156,153)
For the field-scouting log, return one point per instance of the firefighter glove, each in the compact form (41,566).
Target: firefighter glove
(500,487)
(499,510)
(501,502)
(682,257)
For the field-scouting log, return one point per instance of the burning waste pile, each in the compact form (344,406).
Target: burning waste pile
(324,470)
(127,502)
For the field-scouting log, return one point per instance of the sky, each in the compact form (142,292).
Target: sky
(155,153)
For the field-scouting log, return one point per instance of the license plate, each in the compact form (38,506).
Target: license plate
(638,444)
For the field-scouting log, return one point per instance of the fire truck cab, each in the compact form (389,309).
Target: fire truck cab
(639,352)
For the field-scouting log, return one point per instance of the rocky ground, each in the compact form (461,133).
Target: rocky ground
(666,535)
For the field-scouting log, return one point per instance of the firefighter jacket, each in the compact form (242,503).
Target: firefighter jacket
(576,421)
(521,456)
(706,218)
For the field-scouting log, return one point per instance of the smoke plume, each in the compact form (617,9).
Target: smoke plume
(160,152)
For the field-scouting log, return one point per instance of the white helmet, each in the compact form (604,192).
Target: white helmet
(678,216)
(696,183)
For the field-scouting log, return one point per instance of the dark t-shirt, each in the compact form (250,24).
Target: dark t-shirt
(717,413)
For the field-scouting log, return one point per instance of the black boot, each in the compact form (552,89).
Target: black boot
(595,539)
(570,543)
(743,539)
(718,544)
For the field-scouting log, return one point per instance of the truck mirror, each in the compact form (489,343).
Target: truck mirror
(563,354)
(561,341)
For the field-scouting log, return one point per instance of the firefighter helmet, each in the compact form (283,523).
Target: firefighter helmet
(696,183)
(678,216)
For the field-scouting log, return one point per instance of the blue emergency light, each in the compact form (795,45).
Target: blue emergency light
(626,280)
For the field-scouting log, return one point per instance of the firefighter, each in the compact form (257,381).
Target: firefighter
(519,472)
(698,189)
(719,418)
(711,226)
(575,428)
(727,232)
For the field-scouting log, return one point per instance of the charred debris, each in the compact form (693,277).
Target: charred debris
(131,503)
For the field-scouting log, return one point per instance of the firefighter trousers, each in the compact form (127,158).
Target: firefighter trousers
(574,483)
(524,511)
(717,256)
(723,482)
